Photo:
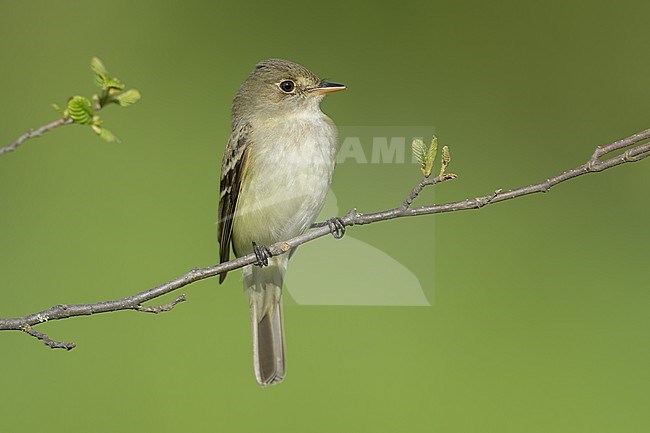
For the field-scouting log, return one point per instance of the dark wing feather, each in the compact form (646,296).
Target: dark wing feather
(232,172)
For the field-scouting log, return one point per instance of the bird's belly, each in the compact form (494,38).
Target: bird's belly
(284,192)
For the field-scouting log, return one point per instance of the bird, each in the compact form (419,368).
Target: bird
(275,173)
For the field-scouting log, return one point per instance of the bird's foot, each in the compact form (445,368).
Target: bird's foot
(263,254)
(337,227)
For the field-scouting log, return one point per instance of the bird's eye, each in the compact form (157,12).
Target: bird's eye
(287,86)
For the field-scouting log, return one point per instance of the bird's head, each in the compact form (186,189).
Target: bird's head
(277,87)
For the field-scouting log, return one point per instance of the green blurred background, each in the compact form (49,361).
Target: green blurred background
(539,319)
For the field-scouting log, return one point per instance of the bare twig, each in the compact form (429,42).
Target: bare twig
(47,340)
(134,302)
(423,184)
(34,133)
(620,144)
(161,308)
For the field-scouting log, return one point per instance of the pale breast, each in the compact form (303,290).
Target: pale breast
(286,181)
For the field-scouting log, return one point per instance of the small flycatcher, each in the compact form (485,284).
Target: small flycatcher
(275,174)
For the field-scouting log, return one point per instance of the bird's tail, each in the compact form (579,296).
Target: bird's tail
(264,287)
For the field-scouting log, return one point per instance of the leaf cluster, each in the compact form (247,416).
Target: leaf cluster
(425,155)
(83,111)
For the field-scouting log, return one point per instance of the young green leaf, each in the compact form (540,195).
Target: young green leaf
(101,74)
(425,155)
(446,159)
(419,152)
(104,133)
(98,66)
(127,98)
(113,83)
(102,78)
(108,136)
(80,110)
(430,156)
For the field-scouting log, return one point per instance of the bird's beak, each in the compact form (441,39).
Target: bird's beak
(326,87)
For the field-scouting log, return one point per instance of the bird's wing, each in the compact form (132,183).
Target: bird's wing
(233,168)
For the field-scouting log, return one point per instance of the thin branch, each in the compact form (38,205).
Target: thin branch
(47,340)
(161,308)
(620,144)
(98,105)
(32,133)
(423,184)
(134,302)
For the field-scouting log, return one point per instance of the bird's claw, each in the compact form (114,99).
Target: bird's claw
(262,254)
(337,227)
